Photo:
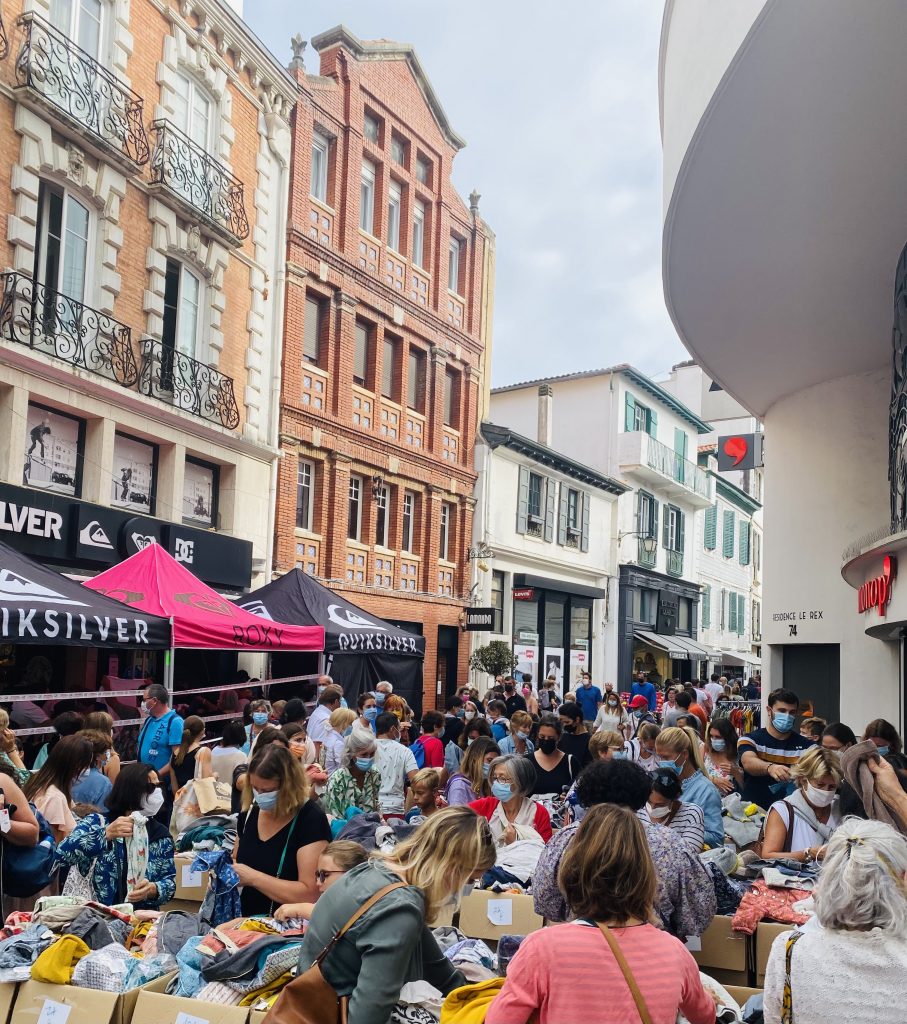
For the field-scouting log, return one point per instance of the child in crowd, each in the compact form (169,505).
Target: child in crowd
(338,858)
(424,795)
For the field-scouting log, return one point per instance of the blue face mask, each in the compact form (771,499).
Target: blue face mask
(370,714)
(343,702)
(783,721)
(364,763)
(502,791)
(380,697)
(718,745)
(883,751)
(347,730)
(265,801)
(260,717)
(619,755)
(486,768)
(523,735)
(671,766)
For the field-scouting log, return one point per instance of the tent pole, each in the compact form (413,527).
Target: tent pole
(321,663)
(168,666)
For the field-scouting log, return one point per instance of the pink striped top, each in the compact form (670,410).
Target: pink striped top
(568,973)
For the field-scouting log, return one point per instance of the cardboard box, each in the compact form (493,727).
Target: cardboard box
(489,915)
(7,998)
(766,933)
(37,1001)
(742,994)
(159,1008)
(190,906)
(722,954)
(190,885)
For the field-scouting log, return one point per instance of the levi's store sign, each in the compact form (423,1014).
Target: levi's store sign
(524,593)
(876,593)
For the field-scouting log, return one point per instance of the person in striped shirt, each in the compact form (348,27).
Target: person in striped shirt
(665,807)
(767,755)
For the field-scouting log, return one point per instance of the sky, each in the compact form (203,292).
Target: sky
(559,109)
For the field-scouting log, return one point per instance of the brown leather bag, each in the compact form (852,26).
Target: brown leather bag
(308,998)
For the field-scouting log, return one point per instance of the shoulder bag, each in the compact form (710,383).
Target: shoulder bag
(641,1007)
(308,998)
(787,998)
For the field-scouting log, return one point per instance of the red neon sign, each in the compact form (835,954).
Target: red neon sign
(736,448)
(876,593)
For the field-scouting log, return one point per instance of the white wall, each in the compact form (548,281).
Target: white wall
(827,475)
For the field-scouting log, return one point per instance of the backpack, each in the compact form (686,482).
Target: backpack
(418,752)
(26,870)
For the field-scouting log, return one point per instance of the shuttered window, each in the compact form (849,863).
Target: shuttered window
(744,542)
(710,532)
(706,604)
(741,614)
(727,538)
(732,612)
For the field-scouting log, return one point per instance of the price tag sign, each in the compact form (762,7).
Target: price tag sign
(4,819)
(694,943)
(500,912)
(187,1018)
(54,1013)
(192,879)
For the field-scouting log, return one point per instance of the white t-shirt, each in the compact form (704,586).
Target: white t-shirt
(714,690)
(394,762)
(318,723)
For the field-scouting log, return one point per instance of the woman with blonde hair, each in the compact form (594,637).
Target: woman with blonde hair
(191,759)
(471,781)
(604,745)
(102,721)
(518,742)
(281,833)
(335,736)
(861,905)
(678,750)
(609,881)
(391,943)
(799,826)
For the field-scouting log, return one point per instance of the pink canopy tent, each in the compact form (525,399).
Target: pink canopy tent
(155,582)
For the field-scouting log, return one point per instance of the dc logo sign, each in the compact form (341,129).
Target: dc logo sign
(184,550)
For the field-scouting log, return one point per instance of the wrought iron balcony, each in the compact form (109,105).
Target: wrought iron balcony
(78,90)
(199,182)
(176,378)
(46,321)
(674,560)
(4,39)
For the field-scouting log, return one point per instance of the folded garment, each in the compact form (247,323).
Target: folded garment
(19,952)
(232,939)
(189,964)
(15,923)
(56,964)
(855,765)
(219,992)
(267,993)
(176,927)
(254,966)
(104,969)
(58,912)
(447,935)
(764,903)
(97,931)
(470,1002)
(470,951)
(779,879)
(728,894)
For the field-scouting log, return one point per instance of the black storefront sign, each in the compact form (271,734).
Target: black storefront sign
(666,621)
(66,531)
(479,618)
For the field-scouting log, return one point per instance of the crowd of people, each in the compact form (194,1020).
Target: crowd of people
(600,804)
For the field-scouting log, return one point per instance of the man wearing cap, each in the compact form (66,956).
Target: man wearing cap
(642,688)
(639,713)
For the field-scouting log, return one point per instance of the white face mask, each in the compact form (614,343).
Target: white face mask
(658,812)
(819,797)
(152,803)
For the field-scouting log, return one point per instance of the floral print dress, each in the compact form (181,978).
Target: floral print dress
(343,793)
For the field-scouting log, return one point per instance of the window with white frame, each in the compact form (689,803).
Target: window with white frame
(81,21)
(394,200)
(61,255)
(409,521)
(321,148)
(453,265)
(446,524)
(192,110)
(674,529)
(367,198)
(360,353)
(305,491)
(312,329)
(418,253)
(382,516)
(182,310)
(354,510)
(573,510)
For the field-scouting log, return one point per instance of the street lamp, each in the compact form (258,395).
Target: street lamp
(479,554)
(649,542)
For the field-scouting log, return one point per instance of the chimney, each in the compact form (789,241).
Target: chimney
(546,400)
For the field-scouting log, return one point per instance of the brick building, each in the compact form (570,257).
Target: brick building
(144,168)
(389,288)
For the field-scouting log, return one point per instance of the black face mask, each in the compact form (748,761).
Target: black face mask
(548,746)
(569,728)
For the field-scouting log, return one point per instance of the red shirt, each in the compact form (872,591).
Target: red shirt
(434,751)
(541,823)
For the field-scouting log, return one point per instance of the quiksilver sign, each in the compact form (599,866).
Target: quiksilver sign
(876,593)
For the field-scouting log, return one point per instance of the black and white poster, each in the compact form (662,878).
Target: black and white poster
(132,479)
(53,451)
(200,493)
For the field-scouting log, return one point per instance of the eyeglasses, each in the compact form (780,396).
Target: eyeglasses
(320,876)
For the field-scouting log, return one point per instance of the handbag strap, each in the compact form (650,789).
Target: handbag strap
(369,903)
(283,855)
(787,998)
(628,974)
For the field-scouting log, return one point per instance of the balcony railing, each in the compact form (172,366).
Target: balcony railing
(674,563)
(4,39)
(667,462)
(198,181)
(178,379)
(47,321)
(74,85)
(644,557)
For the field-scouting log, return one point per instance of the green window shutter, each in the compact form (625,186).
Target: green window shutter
(744,542)
(680,442)
(728,535)
(562,516)
(522,506)
(584,535)
(741,614)
(653,531)
(706,606)
(651,422)
(550,513)
(666,527)
(710,531)
(629,412)
(681,531)
(732,612)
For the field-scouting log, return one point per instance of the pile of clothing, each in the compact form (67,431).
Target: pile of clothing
(210,832)
(70,941)
(243,962)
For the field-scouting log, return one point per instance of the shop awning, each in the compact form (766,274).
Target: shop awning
(740,658)
(697,651)
(668,644)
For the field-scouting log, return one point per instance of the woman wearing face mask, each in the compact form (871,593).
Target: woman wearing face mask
(510,810)
(338,857)
(356,783)
(92,786)
(368,711)
(532,704)
(641,748)
(575,740)
(281,834)
(518,741)
(303,749)
(50,788)
(612,716)
(554,770)
(884,735)
(339,726)
(678,751)
(103,846)
(260,711)
(470,782)
(798,827)
(665,807)
(391,943)
(720,759)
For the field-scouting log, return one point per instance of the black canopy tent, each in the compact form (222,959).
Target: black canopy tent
(360,649)
(40,606)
